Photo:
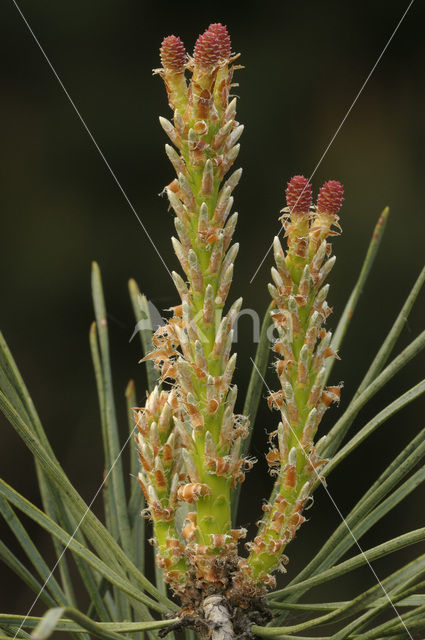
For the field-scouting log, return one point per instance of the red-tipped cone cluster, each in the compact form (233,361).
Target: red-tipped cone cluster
(223,38)
(212,46)
(173,54)
(331,197)
(298,195)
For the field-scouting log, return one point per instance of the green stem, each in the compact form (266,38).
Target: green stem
(253,394)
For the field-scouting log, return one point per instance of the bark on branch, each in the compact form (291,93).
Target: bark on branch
(218,618)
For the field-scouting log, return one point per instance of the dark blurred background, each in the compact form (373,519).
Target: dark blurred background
(304,63)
